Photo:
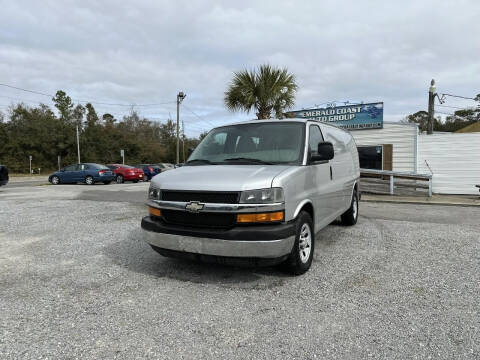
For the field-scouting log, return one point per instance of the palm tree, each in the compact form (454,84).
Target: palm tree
(267,89)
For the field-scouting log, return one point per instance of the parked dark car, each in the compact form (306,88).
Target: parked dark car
(88,173)
(149,170)
(126,173)
(3,175)
(165,166)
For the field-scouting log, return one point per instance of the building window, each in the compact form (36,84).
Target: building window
(371,157)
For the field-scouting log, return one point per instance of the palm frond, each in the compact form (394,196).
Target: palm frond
(266,89)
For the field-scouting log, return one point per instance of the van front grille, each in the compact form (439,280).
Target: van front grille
(219,197)
(199,220)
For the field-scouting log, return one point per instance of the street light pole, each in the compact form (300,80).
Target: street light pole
(183,140)
(180,98)
(78,146)
(431,102)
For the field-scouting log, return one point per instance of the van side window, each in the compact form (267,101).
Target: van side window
(314,137)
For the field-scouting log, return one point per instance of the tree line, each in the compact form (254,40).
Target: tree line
(460,119)
(40,132)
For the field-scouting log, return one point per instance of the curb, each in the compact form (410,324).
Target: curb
(419,202)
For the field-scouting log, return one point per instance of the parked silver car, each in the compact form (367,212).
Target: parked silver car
(258,190)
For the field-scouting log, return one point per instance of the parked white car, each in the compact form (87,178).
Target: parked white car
(259,189)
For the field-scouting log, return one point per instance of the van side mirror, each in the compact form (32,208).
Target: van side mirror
(325,152)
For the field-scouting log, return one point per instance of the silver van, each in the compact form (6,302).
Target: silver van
(259,190)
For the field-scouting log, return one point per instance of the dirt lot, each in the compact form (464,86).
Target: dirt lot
(77,281)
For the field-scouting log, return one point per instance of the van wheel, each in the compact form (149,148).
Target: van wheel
(300,259)
(89,180)
(350,216)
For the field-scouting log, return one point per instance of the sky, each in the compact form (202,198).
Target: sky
(144,52)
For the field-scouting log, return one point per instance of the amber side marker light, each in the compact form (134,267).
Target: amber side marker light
(261,217)
(154,211)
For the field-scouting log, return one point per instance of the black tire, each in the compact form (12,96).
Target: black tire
(298,262)
(350,216)
(107,182)
(89,180)
(55,180)
(135,181)
(119,179)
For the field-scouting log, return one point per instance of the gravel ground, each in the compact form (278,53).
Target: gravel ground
(78,282)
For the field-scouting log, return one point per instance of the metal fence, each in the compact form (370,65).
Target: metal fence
(395,183)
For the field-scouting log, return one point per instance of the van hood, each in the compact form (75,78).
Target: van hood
(219,177)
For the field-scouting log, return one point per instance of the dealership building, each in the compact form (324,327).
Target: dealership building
(453,159)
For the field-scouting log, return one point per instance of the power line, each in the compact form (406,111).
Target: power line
(344,102)
(456,107)
(26,90)
(459,96)
(461,117)
(85,101)
(198,116)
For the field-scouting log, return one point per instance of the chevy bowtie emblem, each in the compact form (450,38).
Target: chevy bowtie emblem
(194,206)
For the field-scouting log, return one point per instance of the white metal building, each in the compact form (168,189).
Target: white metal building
(452,158)
(396,145)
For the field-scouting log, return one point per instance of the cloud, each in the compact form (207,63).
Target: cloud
(147,51)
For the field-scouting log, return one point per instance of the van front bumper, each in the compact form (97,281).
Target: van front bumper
(269,241)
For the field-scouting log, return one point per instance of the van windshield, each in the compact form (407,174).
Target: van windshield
(255,143)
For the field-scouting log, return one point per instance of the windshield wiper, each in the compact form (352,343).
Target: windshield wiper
(246,159)
(200,161)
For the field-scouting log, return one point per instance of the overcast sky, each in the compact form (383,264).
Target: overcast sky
(144,52)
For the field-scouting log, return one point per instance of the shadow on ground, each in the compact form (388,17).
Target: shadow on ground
(135,255)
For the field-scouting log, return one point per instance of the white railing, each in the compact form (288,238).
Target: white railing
(382,176)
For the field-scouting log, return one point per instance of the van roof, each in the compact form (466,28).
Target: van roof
(300,120)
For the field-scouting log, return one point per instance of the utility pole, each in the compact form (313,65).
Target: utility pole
(183,140)
(30,157)
(78,145)
(180,98)
(431,102)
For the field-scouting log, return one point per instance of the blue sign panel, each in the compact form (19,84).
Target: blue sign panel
(349,117)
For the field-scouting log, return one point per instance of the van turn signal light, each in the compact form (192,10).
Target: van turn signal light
(260,217)
(154,211)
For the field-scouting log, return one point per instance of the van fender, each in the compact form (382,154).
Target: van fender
(300,206)
(357,183)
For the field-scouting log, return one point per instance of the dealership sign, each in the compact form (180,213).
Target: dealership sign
(349,117)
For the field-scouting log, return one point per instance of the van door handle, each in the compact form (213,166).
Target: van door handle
(331,174)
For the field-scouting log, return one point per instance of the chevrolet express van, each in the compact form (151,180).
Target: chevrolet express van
(259,190)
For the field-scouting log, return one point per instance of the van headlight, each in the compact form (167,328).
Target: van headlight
(153,193)
(262,196)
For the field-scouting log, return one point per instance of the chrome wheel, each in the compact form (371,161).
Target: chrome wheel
(55,180)
(119,179)
(305,243)
(89,180)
